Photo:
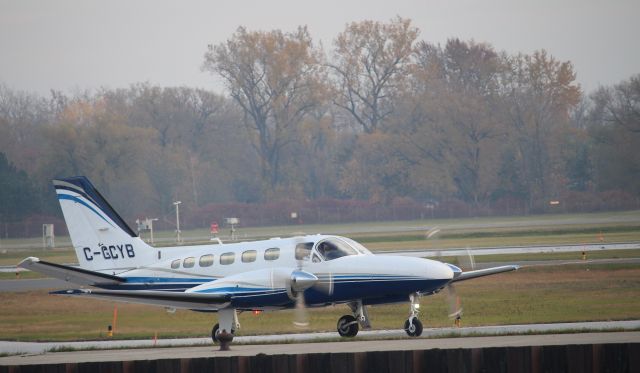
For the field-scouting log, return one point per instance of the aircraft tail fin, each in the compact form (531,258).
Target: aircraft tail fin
(101,238)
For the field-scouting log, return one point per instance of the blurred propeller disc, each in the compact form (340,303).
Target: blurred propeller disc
(467,262)
(432,232)
(325,284)
(300,314)
(455,306)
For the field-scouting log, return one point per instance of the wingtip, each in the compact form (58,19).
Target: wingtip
(27,261)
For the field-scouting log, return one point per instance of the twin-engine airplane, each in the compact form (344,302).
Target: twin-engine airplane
(274,274)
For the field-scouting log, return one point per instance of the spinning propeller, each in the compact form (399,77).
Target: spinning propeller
(466,262)
(455,305)
(306,280)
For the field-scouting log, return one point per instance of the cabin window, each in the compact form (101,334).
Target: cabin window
(175,264)
(303,250)
(272,254)
(189,262)
(227,258)
(249,256)
(334,248)
(206,260)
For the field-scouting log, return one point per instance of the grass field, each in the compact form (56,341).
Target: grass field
(531,295)
(535,294)
(472,233)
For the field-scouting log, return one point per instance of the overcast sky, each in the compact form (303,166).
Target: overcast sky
(87,44)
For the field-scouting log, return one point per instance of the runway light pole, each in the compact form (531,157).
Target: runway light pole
(177,205)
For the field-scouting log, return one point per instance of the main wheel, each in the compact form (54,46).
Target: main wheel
(214,333)
(347,326)
(413,329)
(216,330)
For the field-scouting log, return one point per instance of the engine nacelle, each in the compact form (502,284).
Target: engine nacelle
(260,285)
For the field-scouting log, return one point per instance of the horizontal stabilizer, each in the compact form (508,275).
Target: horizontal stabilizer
(484,272)
(168,299)
(74,275)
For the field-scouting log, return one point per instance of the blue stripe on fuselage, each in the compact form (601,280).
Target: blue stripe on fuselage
(372,289)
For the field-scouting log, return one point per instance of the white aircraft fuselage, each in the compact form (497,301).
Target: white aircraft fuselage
(251,278)
(278,273)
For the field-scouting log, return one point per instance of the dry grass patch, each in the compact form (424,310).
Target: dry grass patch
(531,295)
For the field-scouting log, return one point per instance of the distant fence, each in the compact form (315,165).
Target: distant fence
(574,358)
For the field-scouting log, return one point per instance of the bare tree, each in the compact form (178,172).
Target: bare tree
(370,64)
(276,78)
(620,104)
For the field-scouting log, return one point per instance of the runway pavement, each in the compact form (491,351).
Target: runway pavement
(9,347)
(33,284)
(334,347)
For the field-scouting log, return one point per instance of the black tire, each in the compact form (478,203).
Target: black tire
(214,333)
(347,326)
(413,329)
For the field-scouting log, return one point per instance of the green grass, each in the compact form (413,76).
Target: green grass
(436,244)
(23,275)
(530,295)
(608,222)
(589,230)
(62,255)
(507,258)
(535,294)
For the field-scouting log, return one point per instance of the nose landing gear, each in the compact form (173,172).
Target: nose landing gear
(413,326)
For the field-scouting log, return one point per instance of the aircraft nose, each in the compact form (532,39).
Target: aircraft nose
(441,271)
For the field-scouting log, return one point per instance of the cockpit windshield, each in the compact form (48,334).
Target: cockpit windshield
(358,246)
(334,248)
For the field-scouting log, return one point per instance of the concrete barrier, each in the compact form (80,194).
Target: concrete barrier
(617,357)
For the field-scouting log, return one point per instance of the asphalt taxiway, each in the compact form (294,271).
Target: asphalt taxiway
(337,347)
(10,347)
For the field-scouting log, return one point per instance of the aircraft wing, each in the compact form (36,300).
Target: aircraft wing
(75,275)
(171,299)
(483,272)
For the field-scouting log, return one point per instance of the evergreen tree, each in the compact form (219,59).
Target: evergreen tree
(17,194)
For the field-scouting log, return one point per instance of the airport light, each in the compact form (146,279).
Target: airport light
(177,205)
(149,222)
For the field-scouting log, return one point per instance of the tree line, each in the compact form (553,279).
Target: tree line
(381,117)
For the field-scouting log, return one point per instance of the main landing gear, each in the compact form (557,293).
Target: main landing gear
(215,331)
(413,326)
(228,318)
(349,325)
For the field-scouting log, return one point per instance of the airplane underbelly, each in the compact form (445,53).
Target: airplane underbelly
(373,289)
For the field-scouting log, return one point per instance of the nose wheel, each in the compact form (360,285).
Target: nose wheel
(413,326)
